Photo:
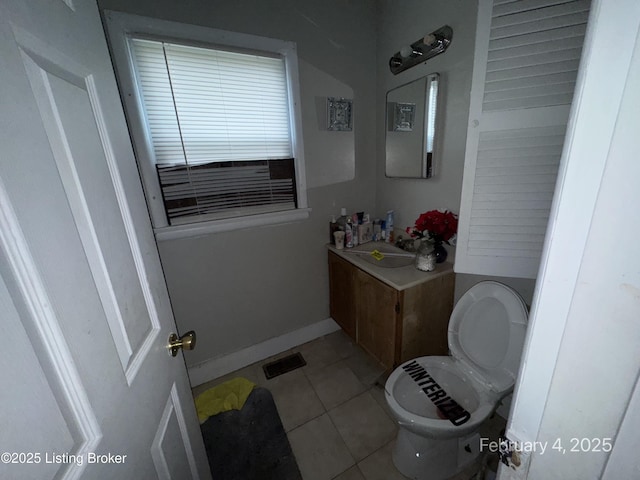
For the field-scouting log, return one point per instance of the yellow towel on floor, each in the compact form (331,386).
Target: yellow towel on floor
(227,396)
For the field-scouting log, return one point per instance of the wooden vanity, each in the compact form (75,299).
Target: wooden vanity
(395,314)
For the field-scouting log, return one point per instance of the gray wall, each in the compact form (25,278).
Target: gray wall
(240,288)
(402,23)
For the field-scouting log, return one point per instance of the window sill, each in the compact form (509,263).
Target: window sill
(230,224)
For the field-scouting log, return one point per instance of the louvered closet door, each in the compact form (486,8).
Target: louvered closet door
(525,67)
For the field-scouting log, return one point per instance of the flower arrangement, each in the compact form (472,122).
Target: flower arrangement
(435,225)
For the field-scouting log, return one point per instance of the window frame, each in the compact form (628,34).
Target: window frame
(120,27)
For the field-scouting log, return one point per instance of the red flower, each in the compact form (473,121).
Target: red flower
(438,226)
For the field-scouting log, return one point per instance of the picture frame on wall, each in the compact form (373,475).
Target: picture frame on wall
(404,117)
(339,114)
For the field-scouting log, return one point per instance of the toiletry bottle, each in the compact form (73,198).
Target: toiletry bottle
(377,230)
(344,224)
(333,226)
(348,233)
(342,220)
(354,230)
(389,227)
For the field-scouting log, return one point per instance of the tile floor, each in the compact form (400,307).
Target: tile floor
(334,411)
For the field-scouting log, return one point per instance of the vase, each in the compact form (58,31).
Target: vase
(426,257)
(441,252)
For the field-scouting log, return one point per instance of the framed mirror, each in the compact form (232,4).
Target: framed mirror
(412,120)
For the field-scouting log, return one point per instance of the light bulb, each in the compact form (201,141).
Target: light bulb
(406,51)
(409,51)
(429,39)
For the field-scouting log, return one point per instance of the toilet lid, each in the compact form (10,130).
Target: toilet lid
(487,330)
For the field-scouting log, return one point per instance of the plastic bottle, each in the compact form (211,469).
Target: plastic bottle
(344,226)
(342,219)
(348,233)
(377,230)
(389,227)
(354,230)
(333,226)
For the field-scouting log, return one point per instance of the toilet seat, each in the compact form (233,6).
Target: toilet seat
(414,409)
(486,333)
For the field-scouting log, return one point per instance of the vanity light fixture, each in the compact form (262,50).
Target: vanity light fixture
(421,50)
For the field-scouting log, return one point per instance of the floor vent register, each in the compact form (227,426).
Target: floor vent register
(283,365)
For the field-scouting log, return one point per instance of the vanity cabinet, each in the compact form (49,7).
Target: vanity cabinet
(342,286)
(394,319)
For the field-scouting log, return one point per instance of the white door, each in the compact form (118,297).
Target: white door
(89,389)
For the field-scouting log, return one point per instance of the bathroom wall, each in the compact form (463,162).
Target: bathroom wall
(402,23)
(240,288)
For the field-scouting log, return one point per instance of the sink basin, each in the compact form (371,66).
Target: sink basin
(392,256)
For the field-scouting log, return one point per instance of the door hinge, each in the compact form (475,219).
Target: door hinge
(397,308)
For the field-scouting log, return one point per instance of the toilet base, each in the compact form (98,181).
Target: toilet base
(421,458)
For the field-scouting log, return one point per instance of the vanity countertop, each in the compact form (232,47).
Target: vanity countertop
(399,278)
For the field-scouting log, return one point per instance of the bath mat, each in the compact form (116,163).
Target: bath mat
(227,396)
(250,444)
(283,365)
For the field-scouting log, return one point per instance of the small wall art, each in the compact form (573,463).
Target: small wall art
(404,116)
(339,114)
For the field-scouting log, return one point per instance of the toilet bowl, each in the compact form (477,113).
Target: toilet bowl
(440,402)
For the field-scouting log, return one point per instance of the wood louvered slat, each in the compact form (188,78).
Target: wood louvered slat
(532,38)
(500,99)
(519,74)
(504,86)
(509,7)
(534,53)
(513,193)
(527,59)
(540,13)
(545,46)
(545,24)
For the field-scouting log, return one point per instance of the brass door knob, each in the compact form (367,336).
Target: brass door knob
(186,342)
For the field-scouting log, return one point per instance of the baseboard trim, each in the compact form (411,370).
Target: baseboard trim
(216,367)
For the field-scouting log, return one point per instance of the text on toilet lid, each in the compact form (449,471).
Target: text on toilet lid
(449,408)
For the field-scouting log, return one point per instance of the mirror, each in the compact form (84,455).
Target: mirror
(411,146)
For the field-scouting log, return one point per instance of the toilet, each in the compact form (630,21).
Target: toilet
(440,402)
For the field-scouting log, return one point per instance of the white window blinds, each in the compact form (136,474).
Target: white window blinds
(219,124)
(525,66)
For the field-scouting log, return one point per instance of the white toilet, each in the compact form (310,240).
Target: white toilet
(441,402)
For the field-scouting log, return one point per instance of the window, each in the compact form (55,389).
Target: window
(215,120)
